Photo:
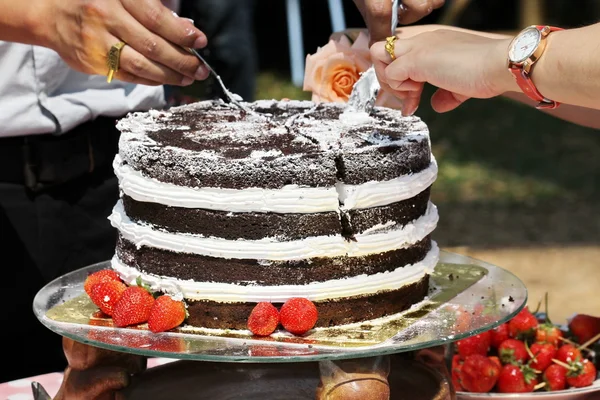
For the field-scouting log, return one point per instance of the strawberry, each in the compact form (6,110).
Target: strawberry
(104,275)
(513,351)
(455,373)
(584,327)
(479,374)
(582,374)
(263,319)
(516,379)
(298,315)
(548,332)
(542,355)
(567,353)
(166,313)
(499,335)
(555,377)
(523,326)
(477,344)
(496,361)
(133,307)
(106,294)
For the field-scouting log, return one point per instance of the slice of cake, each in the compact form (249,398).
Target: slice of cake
(295,199)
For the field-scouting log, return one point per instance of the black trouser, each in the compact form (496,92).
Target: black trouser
(56,193)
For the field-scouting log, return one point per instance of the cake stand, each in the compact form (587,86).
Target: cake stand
(467,296)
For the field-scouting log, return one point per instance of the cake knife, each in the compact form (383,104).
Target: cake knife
(366,88)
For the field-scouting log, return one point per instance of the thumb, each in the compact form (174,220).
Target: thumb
(444,100)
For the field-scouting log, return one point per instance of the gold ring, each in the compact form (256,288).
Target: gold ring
(390,43)
(112,61)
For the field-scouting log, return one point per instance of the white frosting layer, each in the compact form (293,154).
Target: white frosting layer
(316,291)
(289,199)
(272,249)
(373,193)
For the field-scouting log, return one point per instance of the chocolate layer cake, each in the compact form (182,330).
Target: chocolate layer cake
(293,199)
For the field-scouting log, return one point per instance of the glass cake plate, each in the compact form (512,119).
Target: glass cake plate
(467,296)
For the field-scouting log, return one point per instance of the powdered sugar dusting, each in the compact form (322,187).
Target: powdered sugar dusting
(212,143)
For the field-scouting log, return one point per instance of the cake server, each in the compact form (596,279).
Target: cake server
(365,90)
(232,97)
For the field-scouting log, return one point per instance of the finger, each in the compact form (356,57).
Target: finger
(160,20)
(378,17)
(158,49)
(411,103)
(443,100)
(405,86)
(136,64)
(414,10)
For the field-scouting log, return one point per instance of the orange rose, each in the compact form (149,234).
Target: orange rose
(332,71)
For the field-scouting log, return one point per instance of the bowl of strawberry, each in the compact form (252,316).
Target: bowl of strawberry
(529,357)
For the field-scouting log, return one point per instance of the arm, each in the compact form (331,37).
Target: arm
(464,64)
(82,33)
(18,21)
(578,115)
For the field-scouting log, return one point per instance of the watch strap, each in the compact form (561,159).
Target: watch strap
(526,84)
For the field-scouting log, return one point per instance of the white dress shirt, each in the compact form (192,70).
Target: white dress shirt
(40,93)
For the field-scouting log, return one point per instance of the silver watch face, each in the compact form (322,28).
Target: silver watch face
(523,46)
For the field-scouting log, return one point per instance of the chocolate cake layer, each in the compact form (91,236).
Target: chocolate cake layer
(213,145)
(401,212)
(210,314)
(226,225)
(254,226)
(260,272)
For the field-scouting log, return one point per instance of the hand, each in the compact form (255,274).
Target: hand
(82,32)
(462,65)
(378,14)
(95,373)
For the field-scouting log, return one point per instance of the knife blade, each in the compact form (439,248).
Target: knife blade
(366,88)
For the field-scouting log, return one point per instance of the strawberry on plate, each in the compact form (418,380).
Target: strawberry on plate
(106,294)
(584,327)
(298,315)
(516,379)
(263,319)
(166,313)
(513,351)
(455,373)
(582,374)
(476,344)
(104,275)
(479,374)
(499,335)
(542,355)
(555,377)
(133,307)
(568,353)
(523,326)
(547,332)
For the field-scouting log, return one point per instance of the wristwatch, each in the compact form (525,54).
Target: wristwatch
(523,52)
